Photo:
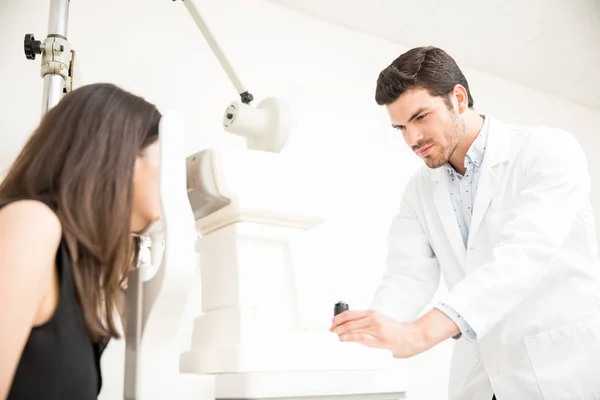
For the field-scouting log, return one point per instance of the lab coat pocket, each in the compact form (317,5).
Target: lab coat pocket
(566,361)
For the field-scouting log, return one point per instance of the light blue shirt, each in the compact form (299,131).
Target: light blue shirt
(462,195)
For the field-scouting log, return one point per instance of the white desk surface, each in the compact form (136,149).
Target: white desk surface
(313,385)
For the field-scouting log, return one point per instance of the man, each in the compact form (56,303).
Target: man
(503,212)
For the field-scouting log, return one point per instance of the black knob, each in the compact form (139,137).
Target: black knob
(246,97)
(32,46)
(339,308)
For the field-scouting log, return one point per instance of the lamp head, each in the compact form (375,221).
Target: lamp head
(266,127)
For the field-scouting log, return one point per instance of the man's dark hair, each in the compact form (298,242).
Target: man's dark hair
(428,68)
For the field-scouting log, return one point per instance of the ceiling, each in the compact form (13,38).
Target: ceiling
(548,45)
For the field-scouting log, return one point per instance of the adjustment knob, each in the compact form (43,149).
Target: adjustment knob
(339,308)
(246,97)
(32,46)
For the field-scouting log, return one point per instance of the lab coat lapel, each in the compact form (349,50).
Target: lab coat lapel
(497,153)
(443,204)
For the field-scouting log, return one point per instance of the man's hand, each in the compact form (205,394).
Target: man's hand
(374,329)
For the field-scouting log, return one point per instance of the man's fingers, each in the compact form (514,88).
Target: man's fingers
(352,326)
(349,315)
(362,338)
(368,331)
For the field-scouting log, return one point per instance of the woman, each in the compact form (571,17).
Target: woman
(85,181)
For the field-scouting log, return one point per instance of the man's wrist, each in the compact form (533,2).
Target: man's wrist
(465,329)
(435,327)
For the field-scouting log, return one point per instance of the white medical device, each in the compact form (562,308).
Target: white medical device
(262,333)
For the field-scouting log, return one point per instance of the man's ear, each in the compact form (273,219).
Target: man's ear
(462,98)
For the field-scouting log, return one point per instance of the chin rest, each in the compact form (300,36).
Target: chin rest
(225,187)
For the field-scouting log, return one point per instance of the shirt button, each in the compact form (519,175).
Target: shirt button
(465,183)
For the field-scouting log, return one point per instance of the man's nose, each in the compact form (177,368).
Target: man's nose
(413,136)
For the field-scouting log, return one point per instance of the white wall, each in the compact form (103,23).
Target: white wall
(326,73)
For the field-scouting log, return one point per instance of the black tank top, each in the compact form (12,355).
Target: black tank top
(60,360)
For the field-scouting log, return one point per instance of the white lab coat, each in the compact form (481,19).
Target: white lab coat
(528,281)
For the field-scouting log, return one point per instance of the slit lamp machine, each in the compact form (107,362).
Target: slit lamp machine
(244,216)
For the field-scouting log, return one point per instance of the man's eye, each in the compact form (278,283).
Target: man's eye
(420,117)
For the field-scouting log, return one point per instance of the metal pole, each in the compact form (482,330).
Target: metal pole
(53,90)
(133,335)
(55,59)
(59,18)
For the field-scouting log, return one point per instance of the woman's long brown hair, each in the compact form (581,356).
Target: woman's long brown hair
(80,161)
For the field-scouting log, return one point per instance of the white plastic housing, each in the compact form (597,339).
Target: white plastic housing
(266,127)
(261,284)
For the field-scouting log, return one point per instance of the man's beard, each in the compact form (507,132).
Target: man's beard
(441,156)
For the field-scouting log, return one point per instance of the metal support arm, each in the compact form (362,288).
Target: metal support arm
(245,96)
